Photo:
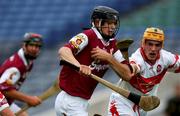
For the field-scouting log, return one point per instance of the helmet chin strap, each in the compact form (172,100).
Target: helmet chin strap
(93,25)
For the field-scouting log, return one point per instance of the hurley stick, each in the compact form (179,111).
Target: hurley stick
(147,103)
(123,46)
(45,95)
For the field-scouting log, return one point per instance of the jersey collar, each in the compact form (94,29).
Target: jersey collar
(100,37)
(21,54)
(145,57)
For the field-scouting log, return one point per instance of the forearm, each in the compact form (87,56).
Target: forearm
(65,53)
(16,95)
(121,69)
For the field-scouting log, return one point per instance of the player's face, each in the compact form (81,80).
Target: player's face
(32,50)
(151,49)
(109,27)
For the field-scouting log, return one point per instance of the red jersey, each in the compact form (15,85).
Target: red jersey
(15,61)
(74,83)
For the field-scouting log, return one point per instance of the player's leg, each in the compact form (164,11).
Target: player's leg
(120,106)
(60,111)
(15,108)
(70,105)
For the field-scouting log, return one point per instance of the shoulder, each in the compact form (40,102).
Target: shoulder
(136,57)
(11,60)
(90,33)
(78,42)
(79,39)
(81,36)
(167,56)
(165,53)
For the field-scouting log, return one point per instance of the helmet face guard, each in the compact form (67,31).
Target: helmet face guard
(115,30)
(105,14)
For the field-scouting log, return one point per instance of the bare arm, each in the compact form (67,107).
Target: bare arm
(66,54)
(121,69)
(31,100)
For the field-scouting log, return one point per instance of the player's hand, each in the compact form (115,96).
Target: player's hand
(135,68)
(100,54)
(34,100)
(85,70)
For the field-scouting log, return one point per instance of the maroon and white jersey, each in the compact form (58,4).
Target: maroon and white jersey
(14,69)
(81,45)
(150,75)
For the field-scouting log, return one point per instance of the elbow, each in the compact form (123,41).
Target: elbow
(60,52)
(127,73)
(129,76)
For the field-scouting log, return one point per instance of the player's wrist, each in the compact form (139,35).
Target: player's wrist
(134,98)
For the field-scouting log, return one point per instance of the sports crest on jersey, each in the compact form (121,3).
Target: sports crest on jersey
(159,67)
(79,41)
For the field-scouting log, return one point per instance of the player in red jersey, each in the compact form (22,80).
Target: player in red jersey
(14,70)
(150,63)
(4,107)
(77,87)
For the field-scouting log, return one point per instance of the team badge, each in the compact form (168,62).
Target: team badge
(159,67)
(79,41)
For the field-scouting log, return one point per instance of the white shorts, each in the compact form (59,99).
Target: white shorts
(70,105)
(3,102)
(14,107)
(121,106)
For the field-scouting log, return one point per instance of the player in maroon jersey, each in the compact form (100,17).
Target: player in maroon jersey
(14,70)
(77,87)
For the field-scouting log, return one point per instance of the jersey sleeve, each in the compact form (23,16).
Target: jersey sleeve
(9,78)
(118,56)
(173,62)
(135,61)
(78,43)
